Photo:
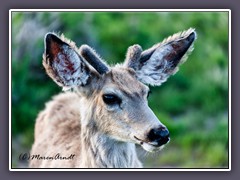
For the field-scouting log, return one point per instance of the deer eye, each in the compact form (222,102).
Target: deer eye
(111,99)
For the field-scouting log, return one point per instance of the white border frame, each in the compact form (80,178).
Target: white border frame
(122,10)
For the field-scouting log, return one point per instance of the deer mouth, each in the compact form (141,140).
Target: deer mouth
(148,145)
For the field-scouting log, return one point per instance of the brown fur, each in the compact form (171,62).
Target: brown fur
(58,126)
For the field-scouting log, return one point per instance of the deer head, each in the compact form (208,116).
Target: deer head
(114,99)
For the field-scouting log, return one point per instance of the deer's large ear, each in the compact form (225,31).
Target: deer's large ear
(65,65)
(153,66)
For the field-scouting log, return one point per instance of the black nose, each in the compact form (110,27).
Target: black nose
(159,135)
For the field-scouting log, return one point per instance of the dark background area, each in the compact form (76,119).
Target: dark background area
(193,103)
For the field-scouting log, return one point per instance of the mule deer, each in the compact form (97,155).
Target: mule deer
(106,114)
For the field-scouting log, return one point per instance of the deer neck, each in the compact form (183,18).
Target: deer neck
(101,151)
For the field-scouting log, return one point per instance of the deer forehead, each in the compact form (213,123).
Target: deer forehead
(123,81)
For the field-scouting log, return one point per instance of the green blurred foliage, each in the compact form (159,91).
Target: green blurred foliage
(193,103)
